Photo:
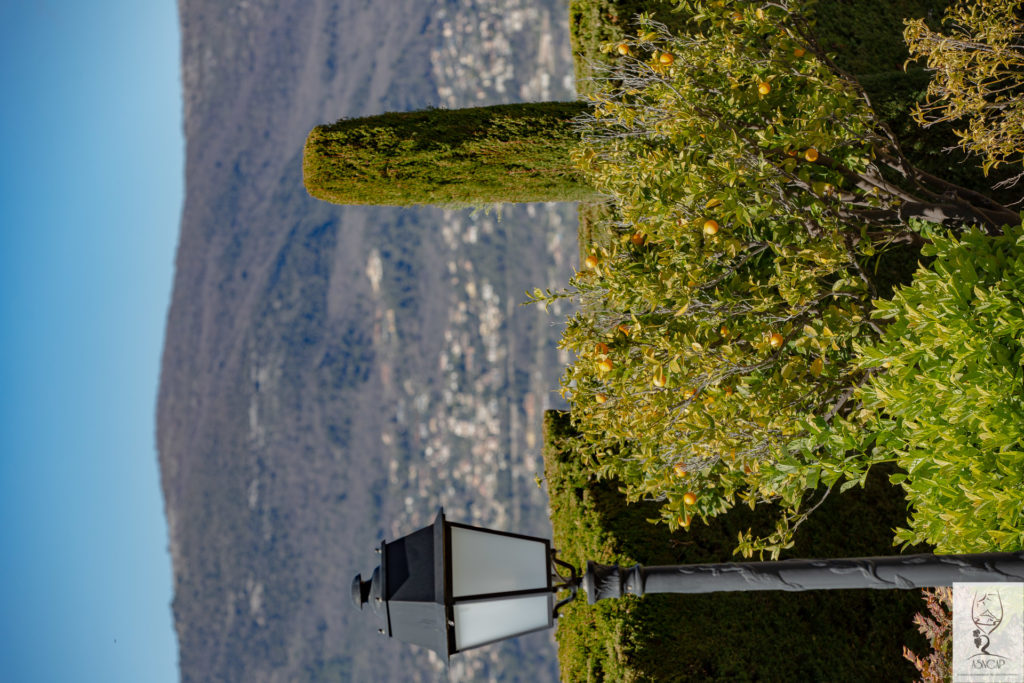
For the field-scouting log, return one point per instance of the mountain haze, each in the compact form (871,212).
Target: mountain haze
(332,375)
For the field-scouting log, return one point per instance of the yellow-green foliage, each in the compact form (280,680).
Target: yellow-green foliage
(596,23)
(862,37)
(948,397)
(462,157)
(978,75)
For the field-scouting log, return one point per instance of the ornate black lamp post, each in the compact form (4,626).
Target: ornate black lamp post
(451,587)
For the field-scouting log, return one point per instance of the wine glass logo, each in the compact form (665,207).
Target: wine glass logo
(987,614)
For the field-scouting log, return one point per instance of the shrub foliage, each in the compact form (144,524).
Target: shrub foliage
(937,665)
(755,189)
(955,336)
(978,76)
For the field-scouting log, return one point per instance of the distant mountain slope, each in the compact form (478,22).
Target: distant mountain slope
(333,374)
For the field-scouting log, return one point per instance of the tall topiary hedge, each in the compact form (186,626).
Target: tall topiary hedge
(473,156)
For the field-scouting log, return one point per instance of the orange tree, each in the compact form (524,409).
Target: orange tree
(754,187)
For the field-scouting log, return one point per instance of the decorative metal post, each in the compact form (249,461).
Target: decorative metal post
(898,572)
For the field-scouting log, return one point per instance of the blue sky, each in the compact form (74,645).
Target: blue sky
(91,188)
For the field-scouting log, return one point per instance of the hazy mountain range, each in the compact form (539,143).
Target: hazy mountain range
(332,375)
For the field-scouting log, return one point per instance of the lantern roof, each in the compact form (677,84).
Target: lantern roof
(413,583)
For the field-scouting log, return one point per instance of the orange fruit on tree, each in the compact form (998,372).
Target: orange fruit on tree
(666,58)
(764,87)
(601,348)
(689,498)
(811,154)
(601,398)
(736,16)
(680,469)
(710,227)
(605,365)
(799,52)
(776,340)
(724,331)
(623,49)
(591,261)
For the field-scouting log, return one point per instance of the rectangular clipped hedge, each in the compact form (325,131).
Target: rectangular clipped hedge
(764,636)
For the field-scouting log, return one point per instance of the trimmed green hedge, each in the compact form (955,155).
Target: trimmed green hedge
(459,157)
(813,636)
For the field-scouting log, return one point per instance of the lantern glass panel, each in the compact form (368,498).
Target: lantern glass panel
(484,562)
(485,621)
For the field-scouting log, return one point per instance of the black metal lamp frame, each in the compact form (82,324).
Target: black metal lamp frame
(411,590)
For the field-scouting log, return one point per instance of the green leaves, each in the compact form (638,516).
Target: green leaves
(955,337)
(464,157)
(977,70)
